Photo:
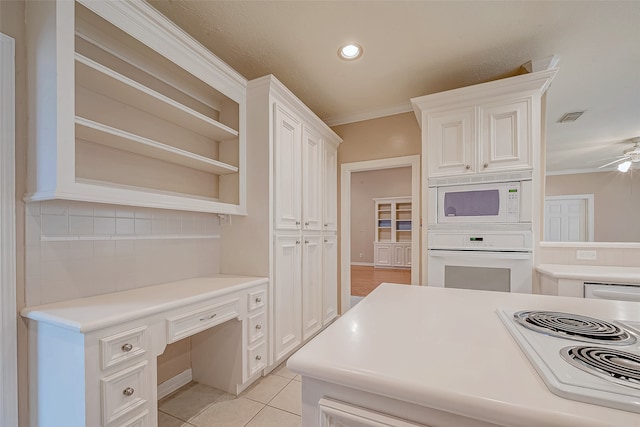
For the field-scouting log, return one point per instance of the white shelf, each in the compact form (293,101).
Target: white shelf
(106,135)
(105,81)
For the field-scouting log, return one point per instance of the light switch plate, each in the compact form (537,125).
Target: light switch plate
(586,255)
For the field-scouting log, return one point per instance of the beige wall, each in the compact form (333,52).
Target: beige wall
(365,186)
(616,201)
(382,138)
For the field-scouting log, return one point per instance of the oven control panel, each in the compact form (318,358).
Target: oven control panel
(485,240)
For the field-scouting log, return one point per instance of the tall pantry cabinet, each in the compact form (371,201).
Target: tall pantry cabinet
(290,232)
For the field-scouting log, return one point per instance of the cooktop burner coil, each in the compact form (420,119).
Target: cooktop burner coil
(574,327)
(614,365)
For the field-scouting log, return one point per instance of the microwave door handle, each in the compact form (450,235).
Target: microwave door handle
(616,295)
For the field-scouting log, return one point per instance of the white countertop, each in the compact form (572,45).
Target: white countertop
(447,349)
(97,312)
(591,273)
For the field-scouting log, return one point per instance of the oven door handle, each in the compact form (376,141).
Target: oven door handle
(615,295)
(480,254)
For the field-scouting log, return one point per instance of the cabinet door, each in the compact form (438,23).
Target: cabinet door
(407,255)
(398,256)
(287,332)
(330,191)
(382,255)
(311,285)
(505,142)
(451,142)
(287,166)
(311,180)
(329,278)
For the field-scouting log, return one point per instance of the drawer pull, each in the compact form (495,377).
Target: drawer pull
(306,223)
(297,222)
(258,300)
(258,357)
(128,391)
(208,317)
(127,347)
(258,326)
(326,225)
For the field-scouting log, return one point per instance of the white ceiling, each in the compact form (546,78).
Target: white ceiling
(414,48)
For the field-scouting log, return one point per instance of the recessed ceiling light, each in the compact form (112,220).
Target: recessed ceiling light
(350,51)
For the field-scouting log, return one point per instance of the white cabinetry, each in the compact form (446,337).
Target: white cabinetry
(290,234)
(487,128)
(392,244)
(128,109)
(93,361)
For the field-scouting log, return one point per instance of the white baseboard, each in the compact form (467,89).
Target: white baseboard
(174,383)
(365,264)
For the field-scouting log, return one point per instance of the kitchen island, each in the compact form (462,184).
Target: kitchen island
(411,355)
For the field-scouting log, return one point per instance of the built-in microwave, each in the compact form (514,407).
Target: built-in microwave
(498,202)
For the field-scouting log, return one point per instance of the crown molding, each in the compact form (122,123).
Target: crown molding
(368,115)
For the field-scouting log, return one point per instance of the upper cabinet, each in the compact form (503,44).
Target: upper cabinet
(487,128)
(128,109)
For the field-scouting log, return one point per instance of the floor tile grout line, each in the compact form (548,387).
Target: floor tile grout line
(261,409)
(280,391)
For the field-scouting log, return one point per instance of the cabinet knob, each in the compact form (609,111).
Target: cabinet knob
(297,222)
(297,242)
(306,223)
(306,241)
(467,167)
(258,357)
(127,347)
(128,391)
(326,225)
(486,165)
(258,326)
(326,241)
(258,300)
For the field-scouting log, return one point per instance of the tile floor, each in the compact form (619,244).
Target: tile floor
(272,401)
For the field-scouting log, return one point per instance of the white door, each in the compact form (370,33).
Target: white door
(382,255)
(330,190)
(504,136)
(329,278)
(451,142)
(568,218)
(287,186)
(311,285)
(311,180)
(287,295)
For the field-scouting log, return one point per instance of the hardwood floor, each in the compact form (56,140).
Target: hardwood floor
(365,279)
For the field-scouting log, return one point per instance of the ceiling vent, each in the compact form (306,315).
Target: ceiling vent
(570,117)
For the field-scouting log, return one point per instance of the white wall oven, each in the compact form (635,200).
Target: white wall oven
(498,202)
(489,260)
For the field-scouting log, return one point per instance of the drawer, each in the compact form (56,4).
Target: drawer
(185,325)
(141,420)
(257,299)
(123,392)
(257,326)
(122,347)
(257,358)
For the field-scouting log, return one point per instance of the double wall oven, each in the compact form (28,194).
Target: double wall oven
(479,235)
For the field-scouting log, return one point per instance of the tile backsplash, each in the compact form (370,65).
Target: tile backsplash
(77,249)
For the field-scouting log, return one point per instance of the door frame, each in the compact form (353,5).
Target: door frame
(346,169)
(8,320)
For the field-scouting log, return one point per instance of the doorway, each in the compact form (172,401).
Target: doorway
(412,251)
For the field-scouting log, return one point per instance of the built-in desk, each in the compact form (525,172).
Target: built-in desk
(92,361)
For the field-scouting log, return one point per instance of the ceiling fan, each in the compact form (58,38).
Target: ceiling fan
(629,156)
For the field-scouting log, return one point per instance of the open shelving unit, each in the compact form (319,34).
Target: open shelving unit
(130,110)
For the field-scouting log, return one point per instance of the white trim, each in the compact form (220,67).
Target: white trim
(582,245)
(346,169)
(368,115)
(581,171)
(8,322)
(172,384)
(589,198)
(363,264)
